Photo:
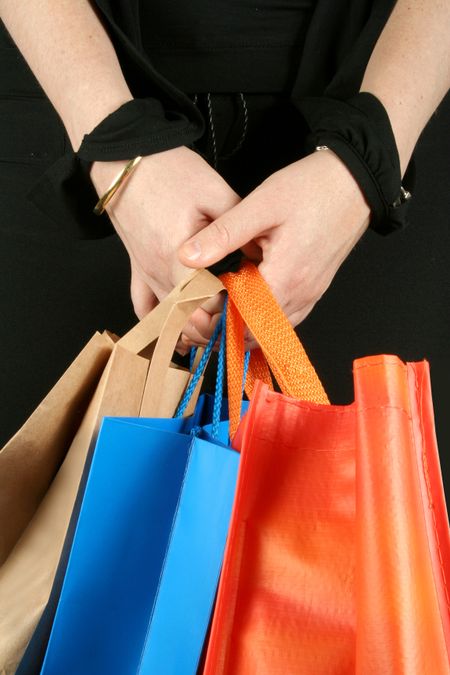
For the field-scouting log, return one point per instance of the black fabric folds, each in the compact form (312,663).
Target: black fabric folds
(139,127)
(358,130)
(339,40)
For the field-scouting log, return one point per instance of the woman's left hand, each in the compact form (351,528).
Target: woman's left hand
(300,224)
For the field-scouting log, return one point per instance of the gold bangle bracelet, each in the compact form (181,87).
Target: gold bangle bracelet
(115,185)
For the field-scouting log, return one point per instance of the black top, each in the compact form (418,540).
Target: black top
(226,45)
(336,47)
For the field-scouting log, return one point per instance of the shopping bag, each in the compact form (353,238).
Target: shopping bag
(30,460)
(202,422)
(147,551)
(137,365)
(145,561)
(338,554)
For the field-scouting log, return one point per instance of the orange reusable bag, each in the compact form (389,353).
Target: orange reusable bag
(338,555)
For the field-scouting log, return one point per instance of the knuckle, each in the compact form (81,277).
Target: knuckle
(221,234)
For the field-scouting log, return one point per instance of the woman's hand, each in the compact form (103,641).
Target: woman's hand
(300,224)
(170,197)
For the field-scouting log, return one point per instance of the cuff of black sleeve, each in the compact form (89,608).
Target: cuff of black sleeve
(139,127)
(359,132)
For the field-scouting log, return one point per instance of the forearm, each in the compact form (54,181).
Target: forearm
(71,55)
(409,70)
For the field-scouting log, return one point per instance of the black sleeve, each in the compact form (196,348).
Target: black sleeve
(341,37)
(340,40)
(160,118)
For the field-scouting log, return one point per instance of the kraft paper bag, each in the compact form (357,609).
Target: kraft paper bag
(30,460)
(131,384)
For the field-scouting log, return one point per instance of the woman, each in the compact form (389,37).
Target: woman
(238,81)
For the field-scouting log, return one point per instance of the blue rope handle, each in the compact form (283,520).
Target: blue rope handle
(218,396)
(246,365)
(199,370)
(192,355)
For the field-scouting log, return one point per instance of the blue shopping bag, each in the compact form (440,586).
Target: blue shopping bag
(147,550)
(199,423)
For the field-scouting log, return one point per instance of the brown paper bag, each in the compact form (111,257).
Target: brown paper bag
(129,385)
(30,460)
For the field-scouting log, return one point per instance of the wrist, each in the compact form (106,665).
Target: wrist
(345,184)
(358,130)
(103,173)
(85,114)
(403,123)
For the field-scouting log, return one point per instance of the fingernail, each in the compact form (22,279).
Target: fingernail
(192,250)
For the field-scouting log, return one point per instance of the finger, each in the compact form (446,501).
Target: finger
(198,331)
(297,317)
(204,323)
(252,251)
(191,336)
(185,344)
(249,340)
(251,344)
(291,298)
(226,234)
(215,304)
(181,349)
(222,198)
(142,297)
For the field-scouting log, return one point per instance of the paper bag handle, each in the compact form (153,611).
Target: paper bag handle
(164,325)
(168,318)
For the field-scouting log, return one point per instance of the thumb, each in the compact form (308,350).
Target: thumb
(226,234)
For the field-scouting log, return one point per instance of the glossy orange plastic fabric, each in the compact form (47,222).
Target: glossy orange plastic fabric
(338,556)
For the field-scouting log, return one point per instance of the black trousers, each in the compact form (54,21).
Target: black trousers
(392,295)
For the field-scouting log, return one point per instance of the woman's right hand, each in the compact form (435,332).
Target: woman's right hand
(169,197)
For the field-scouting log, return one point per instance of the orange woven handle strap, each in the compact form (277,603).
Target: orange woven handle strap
(251,303)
